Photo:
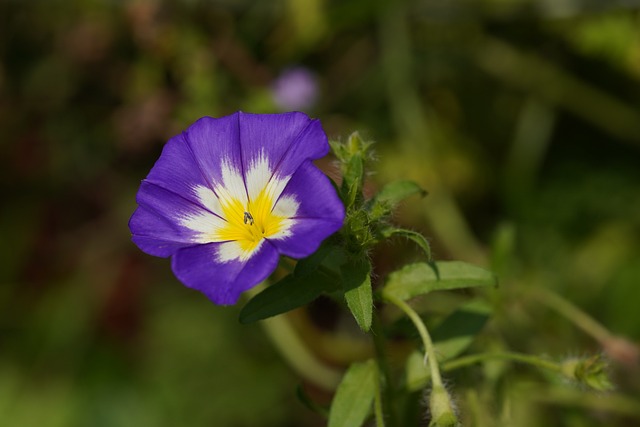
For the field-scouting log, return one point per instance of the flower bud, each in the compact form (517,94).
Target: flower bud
(355,144)
(591,371)
(442,411)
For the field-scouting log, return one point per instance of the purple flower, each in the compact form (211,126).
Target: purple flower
(230,195)
(295,89)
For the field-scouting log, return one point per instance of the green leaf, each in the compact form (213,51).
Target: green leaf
(456,333)
(352,402)
(328,255)
(395,192)
(356,276)
(289,293)
(422,278)
(417,374)
(418,238)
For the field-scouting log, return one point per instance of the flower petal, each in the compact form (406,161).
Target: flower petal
(166,221)
(318,214)
(155,234)
(177,171)
(213,144)
(200,267)
(286,140)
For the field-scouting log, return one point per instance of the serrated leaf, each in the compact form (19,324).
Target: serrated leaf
(352,402)
(395,192)
(458,330)
(422,278)
(289,293)
(356,277)
(416,237)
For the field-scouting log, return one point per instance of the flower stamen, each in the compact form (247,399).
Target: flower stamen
(248,218)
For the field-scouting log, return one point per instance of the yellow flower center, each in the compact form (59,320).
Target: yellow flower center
(249,224)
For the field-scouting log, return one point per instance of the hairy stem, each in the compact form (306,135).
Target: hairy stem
(430,352)
(537,361)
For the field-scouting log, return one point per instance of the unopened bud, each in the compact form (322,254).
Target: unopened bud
(442,411)
(591,371)
(355,144)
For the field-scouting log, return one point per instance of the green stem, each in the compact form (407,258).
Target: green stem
(383,366)
(539,362)
(377,403)
(430,351)
(581,319)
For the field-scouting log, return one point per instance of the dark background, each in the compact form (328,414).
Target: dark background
(520,118)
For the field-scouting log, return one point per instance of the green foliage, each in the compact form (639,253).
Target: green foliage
(452,337)
(356,276)
(458,330)
(352,402)
(313,276)
(93,333)
(418,238)
(285,295)
(382,204)
(421,278)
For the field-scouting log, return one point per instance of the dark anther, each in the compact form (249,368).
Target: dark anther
(248,218)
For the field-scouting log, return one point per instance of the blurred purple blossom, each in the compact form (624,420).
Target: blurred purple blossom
(295,89)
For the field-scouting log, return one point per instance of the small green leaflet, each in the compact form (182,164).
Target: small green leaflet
(418,238)
(422,278)
(395,192)
(356,276)
(352,402)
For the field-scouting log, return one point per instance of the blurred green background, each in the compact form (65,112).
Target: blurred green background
(521,119)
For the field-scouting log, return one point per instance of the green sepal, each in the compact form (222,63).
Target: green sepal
(352,156)
(422,278)
(356,282)
(414,236)
(353,400)
(353,178)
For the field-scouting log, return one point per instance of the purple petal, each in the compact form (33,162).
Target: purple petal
(177,170)
(212,142)
(158,223)
(198,267)
(286,139)
(320,212)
